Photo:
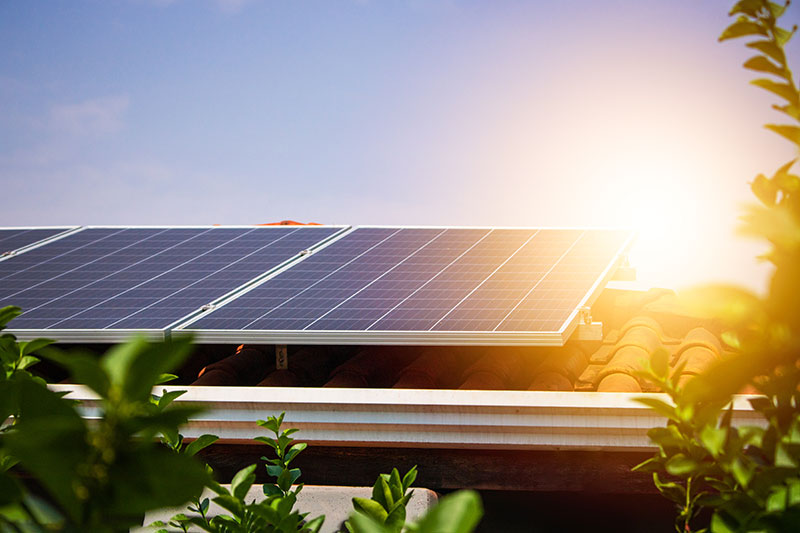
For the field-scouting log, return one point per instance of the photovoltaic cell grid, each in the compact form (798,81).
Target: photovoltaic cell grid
(396,279)
(14,239)
(141,278)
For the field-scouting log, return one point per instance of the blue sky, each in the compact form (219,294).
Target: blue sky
(570,113)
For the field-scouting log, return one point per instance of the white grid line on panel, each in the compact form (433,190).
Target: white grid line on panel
(540,280)
(431,279)
(199,279)
(107,275)
(52,278)
(15,233)
(406,258)
(470,293)
(57,257)
(204,277)
(66,232)
(233,295)
(322,279)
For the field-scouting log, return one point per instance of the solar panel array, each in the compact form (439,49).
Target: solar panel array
(141,278)
(418,284)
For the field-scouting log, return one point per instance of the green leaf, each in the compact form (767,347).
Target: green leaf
(670,490)
(370,508)
(165,378)
(409,478)
(783,458)
(84,368)
(769,48)
(762,64)
(361,523)
(660,407)
(784,90)
(395,485)
(314,525)
(748,7)
(713,439)
(650,465)
(741,28)
(791,133)
(242,481)
(782,35)
(777,10)
(201,442)
(232,504)
(137,365)
(387,498)
(458,512)
(396,519)
(141,482)
(27,361)
(271,490)
(274,470)
(295,449)
(742,470)
(667,437)
(681,465)
(168,397)
(34,345)
(7,314)
(765,190)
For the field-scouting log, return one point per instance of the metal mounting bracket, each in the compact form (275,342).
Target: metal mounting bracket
(625,272)
(587,329)
(281,357)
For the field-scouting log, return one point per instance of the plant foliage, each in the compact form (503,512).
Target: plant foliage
(99,476)
(747,477)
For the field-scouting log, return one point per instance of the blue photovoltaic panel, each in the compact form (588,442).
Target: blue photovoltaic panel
(141,278)
(13,239)
(438,280)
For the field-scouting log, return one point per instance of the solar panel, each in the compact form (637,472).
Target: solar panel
(12,239)
(427,286)
(97,281)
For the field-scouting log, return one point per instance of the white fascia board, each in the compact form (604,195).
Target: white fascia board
(426,418)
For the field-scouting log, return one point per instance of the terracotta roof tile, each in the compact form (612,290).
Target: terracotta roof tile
(560,369)
(496,370)
(377,366)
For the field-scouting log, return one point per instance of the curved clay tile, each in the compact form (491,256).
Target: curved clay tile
(431,370)
(376,366)
(307,367)
(245,367)
(619,383)
(493,371)
(560,369)
(698,351)
(555,381)
(641,336)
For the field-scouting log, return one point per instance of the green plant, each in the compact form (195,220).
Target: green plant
(749,478)
(175,442)
(16,357)
(276,513)
(390,496)
(99,475)
(458,512)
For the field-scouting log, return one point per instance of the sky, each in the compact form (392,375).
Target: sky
(573,113)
